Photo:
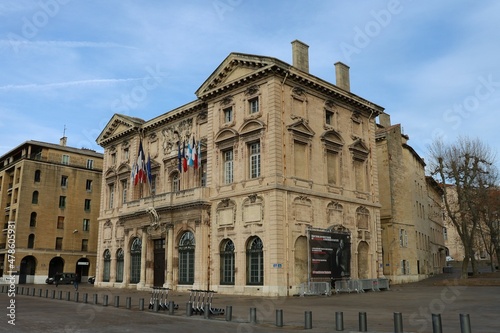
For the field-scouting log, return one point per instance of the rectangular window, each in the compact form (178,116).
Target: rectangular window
(228,115)
(360,175)
(125,154)
(113,158)
(228,166)
(90,164)
(62,202)
(65,159)
(153,184)
(111,195)
(332,164)
(403,238)
(60,222)
(255,160)
(300,159)
(124,191)
(328,117)
(85,245)
(59,242)
(86,225)
(88,185)
(87,205)
(253,105)
(64,181)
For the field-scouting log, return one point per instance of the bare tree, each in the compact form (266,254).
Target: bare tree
(490,226)
(464,169)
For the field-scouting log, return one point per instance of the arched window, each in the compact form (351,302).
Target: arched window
(255,262)
(186,258)
(37,176)
(176,182)
(31,241)
(135,261)
(227,262)
(33,219)
(119,265)
(34,198)
(106,266)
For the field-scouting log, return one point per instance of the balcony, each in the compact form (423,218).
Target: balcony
(170,199)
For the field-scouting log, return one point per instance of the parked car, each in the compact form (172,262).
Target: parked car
(62,278)
(449,258)
(91,279)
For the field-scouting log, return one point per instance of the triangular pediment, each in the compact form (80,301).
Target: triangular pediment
(359,149)
(117,126)
(235,67)
(301,127)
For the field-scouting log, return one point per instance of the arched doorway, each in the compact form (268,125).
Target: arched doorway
(363,263)
(27,270)
(301,260)
(82,269)
(56,265)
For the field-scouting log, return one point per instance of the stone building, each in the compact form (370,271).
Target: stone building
(411,214)
(50,195)
(279,151)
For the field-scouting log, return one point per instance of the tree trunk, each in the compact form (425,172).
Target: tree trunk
(465,267)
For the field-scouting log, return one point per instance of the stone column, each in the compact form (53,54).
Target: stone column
(144,241)
(169,256)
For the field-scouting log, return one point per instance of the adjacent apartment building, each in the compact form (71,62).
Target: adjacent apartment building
(49,196)
(224,193)
(411,216)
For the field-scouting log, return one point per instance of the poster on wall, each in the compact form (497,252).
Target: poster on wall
(330,254)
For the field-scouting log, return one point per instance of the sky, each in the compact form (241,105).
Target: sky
(66,66)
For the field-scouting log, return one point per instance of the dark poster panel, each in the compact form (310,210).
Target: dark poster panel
(330,254)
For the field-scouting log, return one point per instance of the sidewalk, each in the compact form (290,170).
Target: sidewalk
(416,302)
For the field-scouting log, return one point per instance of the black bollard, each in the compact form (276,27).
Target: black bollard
(60,294)
(171,306)
(229,313)
(46,293)
(141,304)
(308,320)
(155,306)
(105,300)
(68,296)
(206,313)
(53,294)
(85,297)
(77,296)
(40,291)
(465,323)
(362,322)
(339,321)
(128,302)
(279,317)
(33,292)
(436,323)
(117,301)
(253,315)
(398,322)
(95,298)
(189,309)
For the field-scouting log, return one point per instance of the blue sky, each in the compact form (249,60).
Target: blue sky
(434,66)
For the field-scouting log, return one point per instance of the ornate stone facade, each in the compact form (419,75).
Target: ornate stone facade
(282,151)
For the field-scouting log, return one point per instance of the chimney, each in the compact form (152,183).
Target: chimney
(62,141)
(300,55)
(384,120)
(342,76)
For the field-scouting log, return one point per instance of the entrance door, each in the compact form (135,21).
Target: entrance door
(159,262)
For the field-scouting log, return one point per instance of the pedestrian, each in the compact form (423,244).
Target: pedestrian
(56,279)
(75,282)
